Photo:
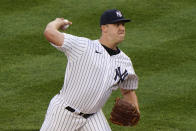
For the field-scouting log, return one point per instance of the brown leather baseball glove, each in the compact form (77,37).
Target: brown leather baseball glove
(124,113)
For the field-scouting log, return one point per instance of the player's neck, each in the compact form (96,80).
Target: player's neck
(108,43)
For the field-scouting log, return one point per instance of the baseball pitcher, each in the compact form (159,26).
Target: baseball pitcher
(95,68)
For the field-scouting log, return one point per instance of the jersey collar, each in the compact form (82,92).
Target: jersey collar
(111,51)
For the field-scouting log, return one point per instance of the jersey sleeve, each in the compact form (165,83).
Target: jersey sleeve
(73,46)
(131,82)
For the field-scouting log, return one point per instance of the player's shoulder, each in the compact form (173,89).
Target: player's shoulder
(124,59)
(124,56)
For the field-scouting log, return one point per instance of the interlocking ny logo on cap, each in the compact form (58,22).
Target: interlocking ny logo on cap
(118,13)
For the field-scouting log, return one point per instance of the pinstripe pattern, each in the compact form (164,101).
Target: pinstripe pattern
(97,122)
(60,119)
(91,76)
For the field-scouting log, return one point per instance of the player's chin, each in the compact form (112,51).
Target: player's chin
(121,38)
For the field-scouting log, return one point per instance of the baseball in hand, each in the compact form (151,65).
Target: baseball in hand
(65,26)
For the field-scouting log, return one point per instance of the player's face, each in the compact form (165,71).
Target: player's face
(117,31)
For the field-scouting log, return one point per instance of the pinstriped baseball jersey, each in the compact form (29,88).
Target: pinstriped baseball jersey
(92,74)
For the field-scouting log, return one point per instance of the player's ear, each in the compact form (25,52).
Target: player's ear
(104,28)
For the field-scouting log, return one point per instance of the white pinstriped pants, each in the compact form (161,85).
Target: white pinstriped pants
(60,119)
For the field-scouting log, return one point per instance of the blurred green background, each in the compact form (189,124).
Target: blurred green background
(160,40)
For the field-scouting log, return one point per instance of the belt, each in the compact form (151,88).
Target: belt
(79,113)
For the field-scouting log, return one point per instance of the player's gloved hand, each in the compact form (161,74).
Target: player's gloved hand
(124,113)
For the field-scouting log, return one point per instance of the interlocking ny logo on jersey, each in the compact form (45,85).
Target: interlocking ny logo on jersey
(121,76)
(118,13)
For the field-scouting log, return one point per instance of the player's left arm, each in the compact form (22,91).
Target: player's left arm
(129,86)
(130,96)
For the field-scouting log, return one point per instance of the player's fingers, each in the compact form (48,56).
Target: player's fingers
(70,23)
(66,22)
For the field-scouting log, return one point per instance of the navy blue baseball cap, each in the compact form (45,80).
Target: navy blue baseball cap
(112,16)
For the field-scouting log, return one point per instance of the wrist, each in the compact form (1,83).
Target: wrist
(54,25)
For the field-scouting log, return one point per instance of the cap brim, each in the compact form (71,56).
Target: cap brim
(120,20)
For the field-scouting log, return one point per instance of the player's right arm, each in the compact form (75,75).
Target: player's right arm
(72,46)
(52,32)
